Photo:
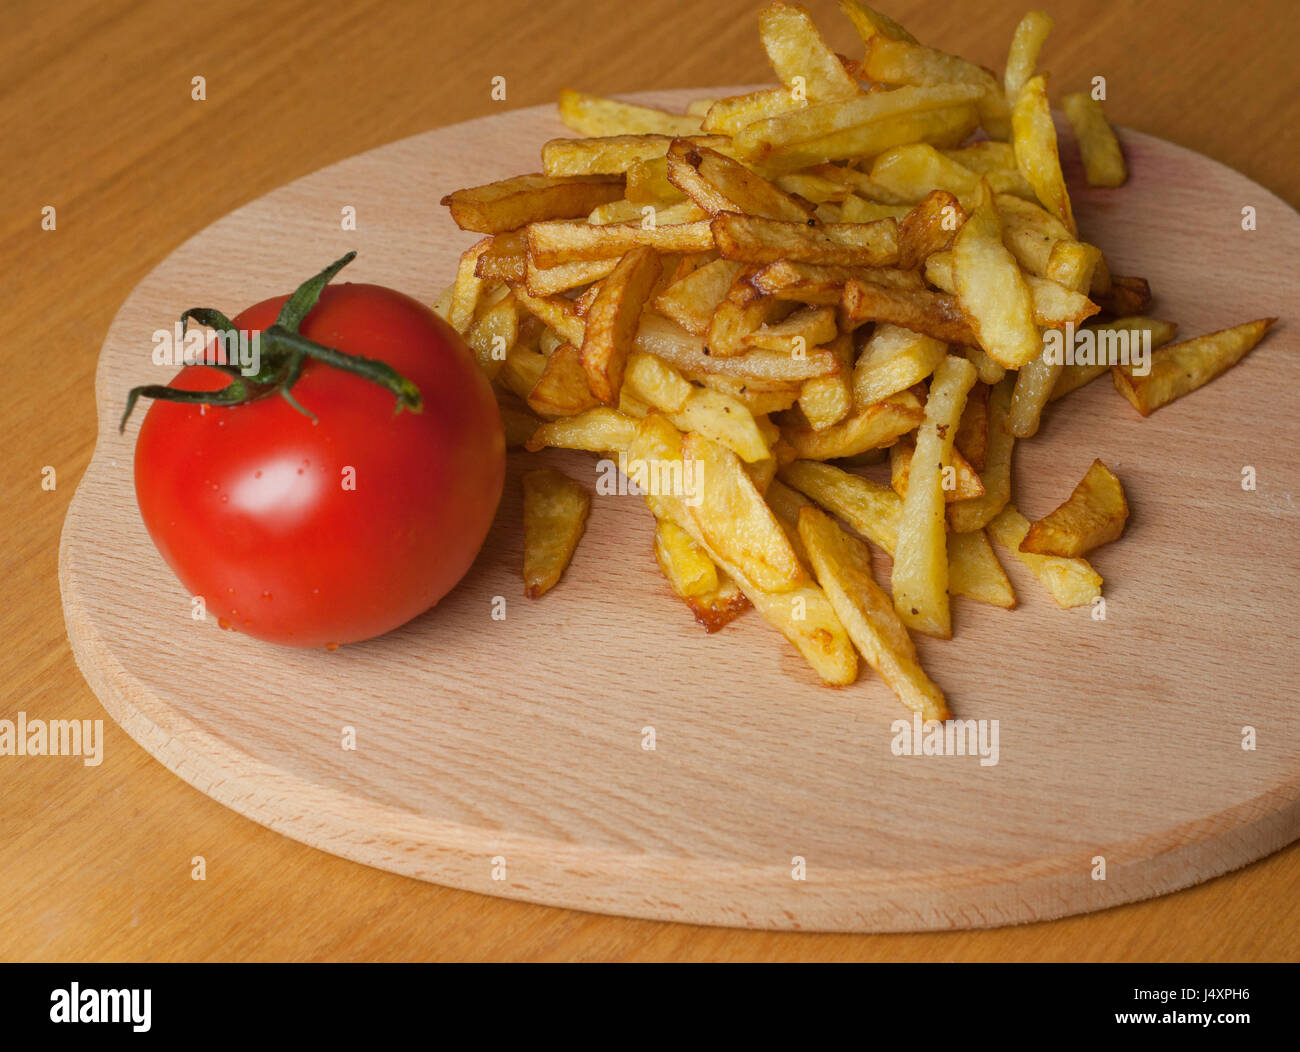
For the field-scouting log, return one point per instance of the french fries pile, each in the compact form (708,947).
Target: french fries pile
(862,259)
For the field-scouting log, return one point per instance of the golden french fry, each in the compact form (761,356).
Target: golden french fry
(1180,368)
(1103,161)
(562,389)
(799,55)
(829,399)
(992,292)
(1112,341)
(1034,139)
(691,300)
(873,511)
(1054,306)
(753,239)
(727,116)
(974,570)
(599,430)
(1094,514)
(932,314)
(511,203)
(591,115)
(802,330)
(892,360)
(842,565)
(761,370)
(928,228)
(1034,384)
(969,515)
(742,311)
(959,479)
(564,241)
(555,516)
(920,575)
(900,62)
(870,427)
(1023,57)
(612,320)
(1071,582)
(972,440)
(716,184)
(602,155)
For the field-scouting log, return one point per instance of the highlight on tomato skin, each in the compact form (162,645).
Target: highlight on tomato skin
(338,526)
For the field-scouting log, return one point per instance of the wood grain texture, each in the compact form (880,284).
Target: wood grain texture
(520,740)
(95,864)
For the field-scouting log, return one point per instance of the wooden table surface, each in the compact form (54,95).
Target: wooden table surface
(97,119)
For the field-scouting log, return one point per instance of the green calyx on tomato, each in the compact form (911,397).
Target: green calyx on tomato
(283,350)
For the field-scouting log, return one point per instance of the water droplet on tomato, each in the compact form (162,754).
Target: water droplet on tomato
(257,474)
(331,646)
(230,591)
(266,595)
(222,623)
(225,499)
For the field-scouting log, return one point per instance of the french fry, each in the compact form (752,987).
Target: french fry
(1054,306)
(727,116)
(991,290)
(493,333)
(1034,384)
(873,511)
(555,312)
(1112,338)
(547,281)
(893,360)
(920,575)
(828,400)
(1071,582)
(753,239)
(555,516)
(799,55)
(1103,161)
(603,155)
(972,440)
(599,430)
(689,570)
(870,427)
(928,228)
(960,481)
(562,389)
(1023,57)
(861,126)
(511,203)
(842,565)
(1094,514)
(742,311)
(932,314)
(759,369)
(565,241)
(1180,368)
(802,330)
(975,573)
(612,320)
(800,612)
(503,259)
(899,62)
(1034,139)
(691,300)
(592,116)
(716,184)
(466,288)
(969,515)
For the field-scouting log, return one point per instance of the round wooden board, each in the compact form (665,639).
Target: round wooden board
(482,740)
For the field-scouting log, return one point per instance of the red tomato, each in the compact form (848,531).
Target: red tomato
(249,503)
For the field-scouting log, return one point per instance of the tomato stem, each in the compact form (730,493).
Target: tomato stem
(283,351)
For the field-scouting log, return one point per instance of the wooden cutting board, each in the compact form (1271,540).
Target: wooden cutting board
(507,757)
